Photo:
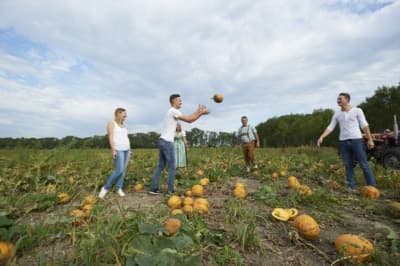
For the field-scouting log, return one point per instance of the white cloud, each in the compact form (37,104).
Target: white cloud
(267,57)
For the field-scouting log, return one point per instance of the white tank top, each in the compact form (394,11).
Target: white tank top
(121,140)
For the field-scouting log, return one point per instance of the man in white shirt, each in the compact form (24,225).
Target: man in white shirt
(166,141)
(350,120)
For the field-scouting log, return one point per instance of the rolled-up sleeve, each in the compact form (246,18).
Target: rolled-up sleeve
(333,123)
(361,119)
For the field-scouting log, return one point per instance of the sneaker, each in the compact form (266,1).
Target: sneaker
(121,193)
(155,192)
(103,193)
(255,166)
(247,169)
(171,193)
(351,191)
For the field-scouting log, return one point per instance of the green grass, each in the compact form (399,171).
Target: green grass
(31,179)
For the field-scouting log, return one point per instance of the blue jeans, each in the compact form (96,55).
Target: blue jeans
(355,148)
(120,163)
(166,156)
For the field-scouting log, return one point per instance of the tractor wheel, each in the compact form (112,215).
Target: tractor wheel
(391,159)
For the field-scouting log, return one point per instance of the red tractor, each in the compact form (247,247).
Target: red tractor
(387,147)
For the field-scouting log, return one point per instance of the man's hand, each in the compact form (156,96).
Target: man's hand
(370,144)
(257,144)
(203,110)
(114,154)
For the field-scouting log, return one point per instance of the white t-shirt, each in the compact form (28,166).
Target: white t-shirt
(121,139)
(169,124)
(349,123)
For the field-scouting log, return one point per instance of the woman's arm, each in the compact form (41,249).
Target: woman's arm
(110,132)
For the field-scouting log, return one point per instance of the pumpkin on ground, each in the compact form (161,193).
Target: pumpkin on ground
(358,247)
(188,193)
(255,173)
(90,199)
(293,182)
(188,201)
(138,187)
(394,209)
(204,181)
(63,198)
(370,192)
(187,209)
(176,211)
(200,172)
(280,214)
(334,185)
(201,205)
(79,215)
(6,250)
(240,192)
(174,202)
(197,190)
(304,190)
(238,184)
(307,226)
(87,208)
(201,201)
(274,175)
(293,212)
(172,225)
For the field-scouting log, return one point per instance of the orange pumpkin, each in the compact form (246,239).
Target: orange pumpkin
(240,192)
(218,98)
(239,185)
(370,192)
(197,190)
(176,211)
(87,208)
(358,247)
(201,205)
(200,172)
(138,187)
(188,201)
(201,201)
(293,182)
(307,226)
(90,199)
(174,202)
(172,225)
(334,185)
(187,209)
(274,175)
(6,250)
(204,181)
(304,190)
(63,198)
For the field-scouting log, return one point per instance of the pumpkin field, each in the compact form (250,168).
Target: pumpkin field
(289,211)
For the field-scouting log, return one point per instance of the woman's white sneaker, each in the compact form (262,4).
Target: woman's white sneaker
(121,193)
(103,193)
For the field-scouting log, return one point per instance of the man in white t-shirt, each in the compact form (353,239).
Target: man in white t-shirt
(166,141)
(352,145)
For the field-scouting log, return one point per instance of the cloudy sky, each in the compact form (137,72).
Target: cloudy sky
(66,65)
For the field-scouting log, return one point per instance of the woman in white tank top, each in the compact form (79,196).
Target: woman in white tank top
(121,149)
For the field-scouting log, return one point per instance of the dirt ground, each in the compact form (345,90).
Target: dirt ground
(280,242)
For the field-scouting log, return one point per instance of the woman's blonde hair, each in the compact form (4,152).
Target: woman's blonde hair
(119,110)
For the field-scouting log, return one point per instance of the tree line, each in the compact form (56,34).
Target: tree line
(196,138)
(282,131)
